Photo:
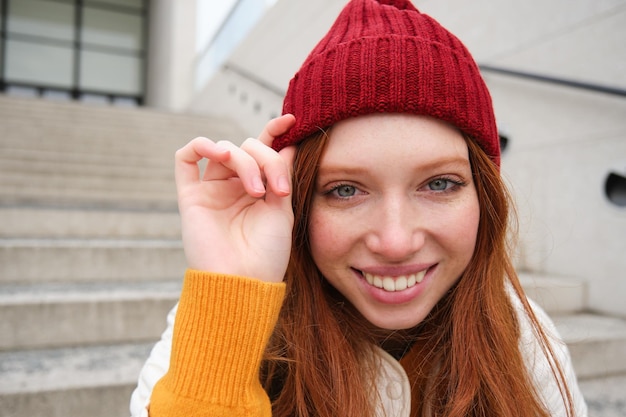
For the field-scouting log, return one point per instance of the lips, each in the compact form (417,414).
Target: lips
(394,284)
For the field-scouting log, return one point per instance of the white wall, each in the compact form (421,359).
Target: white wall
(576,39)
(564,143)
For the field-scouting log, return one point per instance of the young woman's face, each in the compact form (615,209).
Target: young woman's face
(394,215)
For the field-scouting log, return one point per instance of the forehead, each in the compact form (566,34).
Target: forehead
(393,138)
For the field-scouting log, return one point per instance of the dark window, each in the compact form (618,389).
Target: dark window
(615,188)
(83,49)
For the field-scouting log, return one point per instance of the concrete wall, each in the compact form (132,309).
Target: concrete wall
(268,58)
(577,39)
(563,144)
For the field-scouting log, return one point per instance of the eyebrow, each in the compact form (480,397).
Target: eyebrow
(453,161)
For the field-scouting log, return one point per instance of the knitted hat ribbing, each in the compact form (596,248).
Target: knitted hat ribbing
(384,56)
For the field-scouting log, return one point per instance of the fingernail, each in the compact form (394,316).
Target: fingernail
(221,149)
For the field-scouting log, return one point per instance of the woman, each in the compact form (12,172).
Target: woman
(377,282)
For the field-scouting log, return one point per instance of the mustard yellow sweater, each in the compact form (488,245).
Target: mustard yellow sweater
(222,327)
(221,330)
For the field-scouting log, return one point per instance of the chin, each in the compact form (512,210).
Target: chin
(392,323)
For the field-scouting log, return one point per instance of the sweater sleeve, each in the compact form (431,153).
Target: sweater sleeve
(153,369)
(222,327)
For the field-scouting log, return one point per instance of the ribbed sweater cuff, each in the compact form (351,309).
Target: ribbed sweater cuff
(222,327)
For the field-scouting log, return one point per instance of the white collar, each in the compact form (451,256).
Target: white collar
(392,386)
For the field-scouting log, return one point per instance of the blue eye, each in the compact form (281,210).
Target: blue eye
(344,191)
(444,184)
(441,184)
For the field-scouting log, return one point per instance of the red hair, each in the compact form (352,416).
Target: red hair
(465,358)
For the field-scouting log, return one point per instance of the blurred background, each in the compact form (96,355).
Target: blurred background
(96,96)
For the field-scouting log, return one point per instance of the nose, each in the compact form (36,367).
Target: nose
(396,232)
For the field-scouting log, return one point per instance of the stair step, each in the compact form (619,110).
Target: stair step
(54,315)
(146,139)
(120,186)
(61,260)
(92,381)
(103,141)
(556,295)
(75,223)
(596,343)
(78,116)
(163,199)
(117,183)
(95,164)
(605,396)
(76,154)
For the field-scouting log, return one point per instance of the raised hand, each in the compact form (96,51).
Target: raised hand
(237,216)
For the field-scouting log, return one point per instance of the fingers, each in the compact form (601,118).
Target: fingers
(255,163)
(287,155)
(274,168)
(277,170)
(276,127)
(187,158)
(248,163)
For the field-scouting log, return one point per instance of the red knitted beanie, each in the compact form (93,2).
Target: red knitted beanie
(384,56)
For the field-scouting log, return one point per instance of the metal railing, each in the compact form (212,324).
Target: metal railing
(555,80)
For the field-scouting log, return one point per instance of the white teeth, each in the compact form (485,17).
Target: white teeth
(412,280)
(390,284)
(401,284)
(377,282)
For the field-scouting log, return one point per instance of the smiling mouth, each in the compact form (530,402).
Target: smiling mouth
(393,284)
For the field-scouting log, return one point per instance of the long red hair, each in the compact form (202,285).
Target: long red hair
(464,358)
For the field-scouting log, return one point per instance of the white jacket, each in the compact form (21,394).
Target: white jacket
(392,382)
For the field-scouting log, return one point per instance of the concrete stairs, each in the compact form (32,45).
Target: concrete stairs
(91,259)
(597,343)
(90,253)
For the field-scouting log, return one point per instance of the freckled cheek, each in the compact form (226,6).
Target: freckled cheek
(329,236)
(466,231)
